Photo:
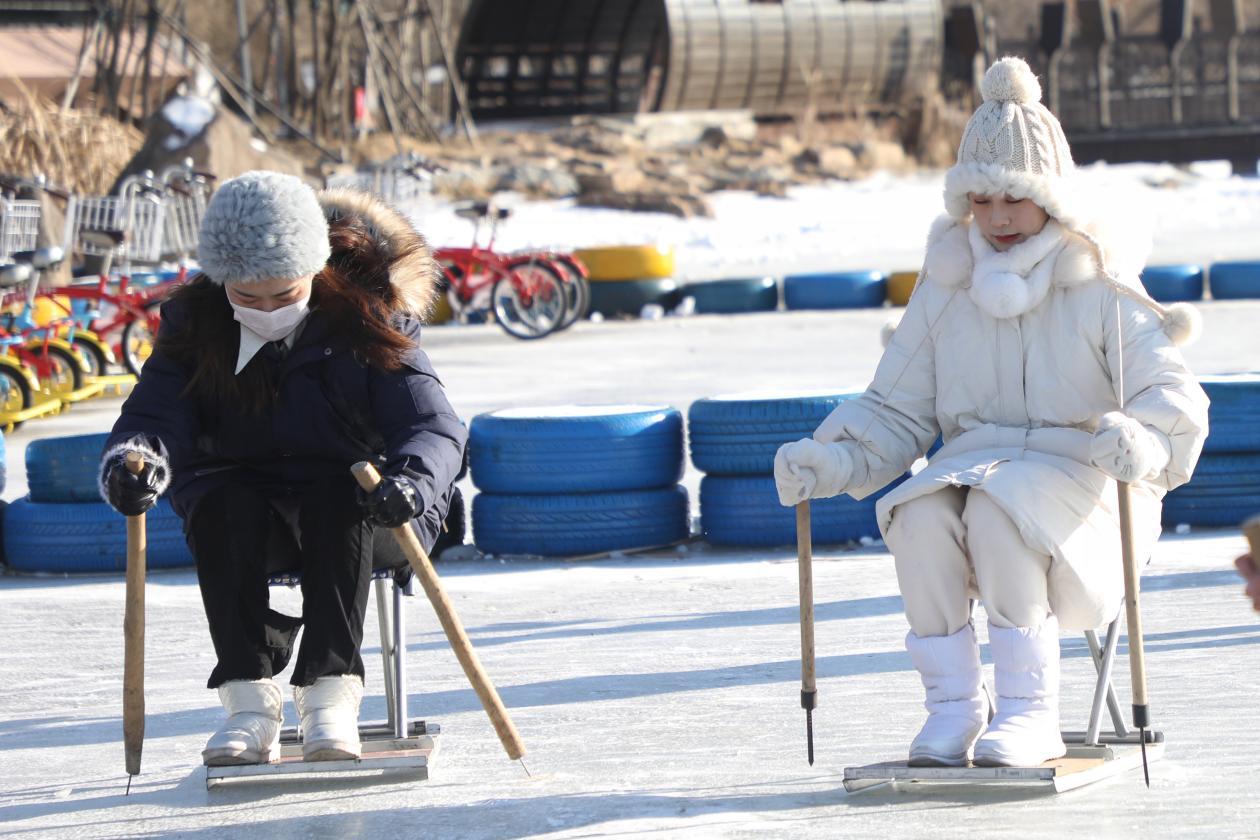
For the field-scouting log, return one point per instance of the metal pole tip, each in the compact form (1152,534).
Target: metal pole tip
(1146,770)
(809,736)
(526,769)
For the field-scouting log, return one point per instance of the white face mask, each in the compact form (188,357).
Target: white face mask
(273,325)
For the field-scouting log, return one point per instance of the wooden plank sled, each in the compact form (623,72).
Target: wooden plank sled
(381,752)
(1081,766)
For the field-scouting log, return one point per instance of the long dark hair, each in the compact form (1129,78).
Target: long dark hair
(353,290)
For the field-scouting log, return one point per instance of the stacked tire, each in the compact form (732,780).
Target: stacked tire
(1235,280)
(625,278)
(733,441)
(573,480)
(835,290)
(1225,488)
(1173,283)
(63,526)
(734,296)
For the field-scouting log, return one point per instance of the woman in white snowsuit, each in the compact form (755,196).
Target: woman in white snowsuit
(1030,347)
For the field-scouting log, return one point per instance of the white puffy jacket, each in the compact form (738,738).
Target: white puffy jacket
(1012,358)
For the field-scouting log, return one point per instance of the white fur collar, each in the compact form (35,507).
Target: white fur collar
(1120,247)
(949,259)
(1006,284)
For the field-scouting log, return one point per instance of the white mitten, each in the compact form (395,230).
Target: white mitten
(808,469)
(1126,450)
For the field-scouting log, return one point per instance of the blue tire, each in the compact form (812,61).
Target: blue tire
(1227,470)
(1234,415)
(64,469)
(739,434)
(579,523)
(1216,512)
(1234,280)
(745,511)
(87,537)
(727,297)
(835,290)
(576,449)
(615,298)
(1173,283)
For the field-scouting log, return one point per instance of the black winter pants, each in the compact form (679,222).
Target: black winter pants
(241,533)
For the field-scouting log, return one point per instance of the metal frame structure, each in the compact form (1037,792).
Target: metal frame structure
(1179,95)
(526,58)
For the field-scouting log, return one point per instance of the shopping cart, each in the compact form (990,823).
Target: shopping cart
(187,195)
(405,182)
(19,226)
(137,213)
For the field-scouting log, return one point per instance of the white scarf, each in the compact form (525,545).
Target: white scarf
(1006,284)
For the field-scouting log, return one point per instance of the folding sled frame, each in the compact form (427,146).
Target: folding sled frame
(397,745)
(1091,755)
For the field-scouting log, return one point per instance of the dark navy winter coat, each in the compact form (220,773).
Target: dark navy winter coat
(331,409)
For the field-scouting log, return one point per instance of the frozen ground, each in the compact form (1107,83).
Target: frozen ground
(657,695)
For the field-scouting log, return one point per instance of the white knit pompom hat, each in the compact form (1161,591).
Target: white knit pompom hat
(1012,145)
(262,226)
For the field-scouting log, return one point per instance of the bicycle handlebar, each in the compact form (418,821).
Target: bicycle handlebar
(13,183)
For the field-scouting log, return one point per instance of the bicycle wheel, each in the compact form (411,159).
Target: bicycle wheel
(529,302)
(138,337)
(91,354)
(15,393)
(577,294)
(59,370)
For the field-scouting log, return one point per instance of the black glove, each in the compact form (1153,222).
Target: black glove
(131,494)
(394,502)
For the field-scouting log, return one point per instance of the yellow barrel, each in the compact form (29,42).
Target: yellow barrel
(628,262)
(900,285)
(441,310)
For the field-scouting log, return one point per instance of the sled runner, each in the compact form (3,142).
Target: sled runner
(1091,756)
(382,751)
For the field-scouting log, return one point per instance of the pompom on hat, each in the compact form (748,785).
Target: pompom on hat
(262,226)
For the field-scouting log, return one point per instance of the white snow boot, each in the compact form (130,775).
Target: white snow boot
(1025,730)
(251,734)
(956,701)
(330,718)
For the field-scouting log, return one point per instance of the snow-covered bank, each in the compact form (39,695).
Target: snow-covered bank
(1200,215)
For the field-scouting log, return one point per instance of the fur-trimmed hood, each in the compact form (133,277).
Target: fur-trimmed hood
(414,274)
(1093,252)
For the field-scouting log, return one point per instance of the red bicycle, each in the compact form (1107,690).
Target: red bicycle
(527,293)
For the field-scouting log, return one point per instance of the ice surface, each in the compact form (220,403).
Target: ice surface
(656,695)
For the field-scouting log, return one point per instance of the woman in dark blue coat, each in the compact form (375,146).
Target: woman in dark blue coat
(294,355)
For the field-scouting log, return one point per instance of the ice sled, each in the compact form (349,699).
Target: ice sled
(1091,756)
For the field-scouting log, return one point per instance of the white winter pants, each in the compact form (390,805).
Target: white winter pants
(955,543)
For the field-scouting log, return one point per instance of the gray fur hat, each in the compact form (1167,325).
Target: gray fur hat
(260,226)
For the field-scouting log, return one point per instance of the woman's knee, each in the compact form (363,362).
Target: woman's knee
(925,521)
(1012,577)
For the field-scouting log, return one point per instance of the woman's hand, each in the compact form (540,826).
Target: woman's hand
(1125,449)
(806,469)
(132,494)
(394,502)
